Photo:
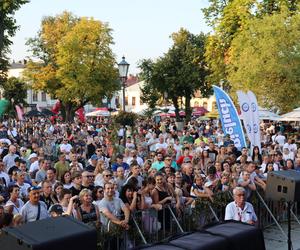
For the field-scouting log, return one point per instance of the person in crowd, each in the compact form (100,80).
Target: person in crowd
(66,179)
(14,204)
(120,178)
(47,194)
(87,180)
(61,166)
(87,212)
(34,209)
(76,178)
(51,176)
(119,163)
(98,172)
(256,155)
(111,209)
(240,209)
(42,172)
(20,182)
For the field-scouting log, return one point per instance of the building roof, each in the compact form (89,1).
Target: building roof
(131,80)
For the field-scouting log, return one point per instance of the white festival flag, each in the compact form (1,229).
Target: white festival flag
(255,120)
(246,114)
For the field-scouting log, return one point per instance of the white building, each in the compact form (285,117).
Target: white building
(34,98)
(133,102)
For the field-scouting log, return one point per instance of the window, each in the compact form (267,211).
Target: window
(133,101)
(117,101)
(44,97)
(126,100)
(34,96)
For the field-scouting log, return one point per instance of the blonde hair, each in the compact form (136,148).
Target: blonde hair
(83,192)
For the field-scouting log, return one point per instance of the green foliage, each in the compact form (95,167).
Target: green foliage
(8,29)
(178,73)
(126,118)
(265,58)
(76,63)
(15,91)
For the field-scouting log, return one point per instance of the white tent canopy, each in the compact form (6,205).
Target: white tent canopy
(265,114)
(98,113)
(291,116)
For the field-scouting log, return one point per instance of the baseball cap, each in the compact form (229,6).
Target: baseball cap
(56,208)
(208,184)
(187,160)
(33,155)
(33,188)
(94,157)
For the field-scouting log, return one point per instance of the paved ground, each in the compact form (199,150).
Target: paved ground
(275,240)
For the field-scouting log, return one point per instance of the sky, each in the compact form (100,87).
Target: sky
(141,28)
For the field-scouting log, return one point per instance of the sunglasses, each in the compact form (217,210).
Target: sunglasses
(108,175)
(89,176)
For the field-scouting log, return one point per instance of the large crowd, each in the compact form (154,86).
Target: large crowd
(79,170)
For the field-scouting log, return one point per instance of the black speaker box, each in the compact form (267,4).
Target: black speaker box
(200,241)
(283,185)
(59,233)
(230,235)
(240,236)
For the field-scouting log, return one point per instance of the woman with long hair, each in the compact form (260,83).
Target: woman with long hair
(256,155)
(100,167)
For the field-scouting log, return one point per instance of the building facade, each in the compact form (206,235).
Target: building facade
(34,98)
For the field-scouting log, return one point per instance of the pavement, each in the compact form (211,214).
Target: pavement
(275,240)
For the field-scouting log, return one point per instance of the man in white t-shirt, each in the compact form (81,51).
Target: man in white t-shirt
(280,139)
(161,143)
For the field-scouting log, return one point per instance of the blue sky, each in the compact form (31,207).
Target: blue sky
(141,28)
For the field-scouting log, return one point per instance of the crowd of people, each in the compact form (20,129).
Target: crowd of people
(79,170)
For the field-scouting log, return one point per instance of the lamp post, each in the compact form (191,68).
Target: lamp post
(123,71)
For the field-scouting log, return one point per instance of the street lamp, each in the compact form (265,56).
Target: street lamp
(123,71)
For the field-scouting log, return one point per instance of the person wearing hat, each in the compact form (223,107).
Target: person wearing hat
(34,209)
(93,163)
(56,210)
(119,163)
(20,181)
(34,164)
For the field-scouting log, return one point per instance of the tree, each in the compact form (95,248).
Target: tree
(8,29)
(76,63)
(265,58)
(179,73)
(228,18)
(15,90)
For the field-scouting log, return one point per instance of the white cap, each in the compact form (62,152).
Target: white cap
(33,155)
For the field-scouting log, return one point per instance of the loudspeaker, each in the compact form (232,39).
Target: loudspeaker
(59,233)
(283,185)
(230,235)
(240,236)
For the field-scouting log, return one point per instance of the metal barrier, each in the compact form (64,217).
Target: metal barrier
(151,226)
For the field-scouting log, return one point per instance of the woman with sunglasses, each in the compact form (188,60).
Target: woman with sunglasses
(97,195)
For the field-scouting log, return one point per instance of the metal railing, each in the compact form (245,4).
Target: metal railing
(151,226)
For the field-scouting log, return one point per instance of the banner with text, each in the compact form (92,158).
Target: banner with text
(231,123)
